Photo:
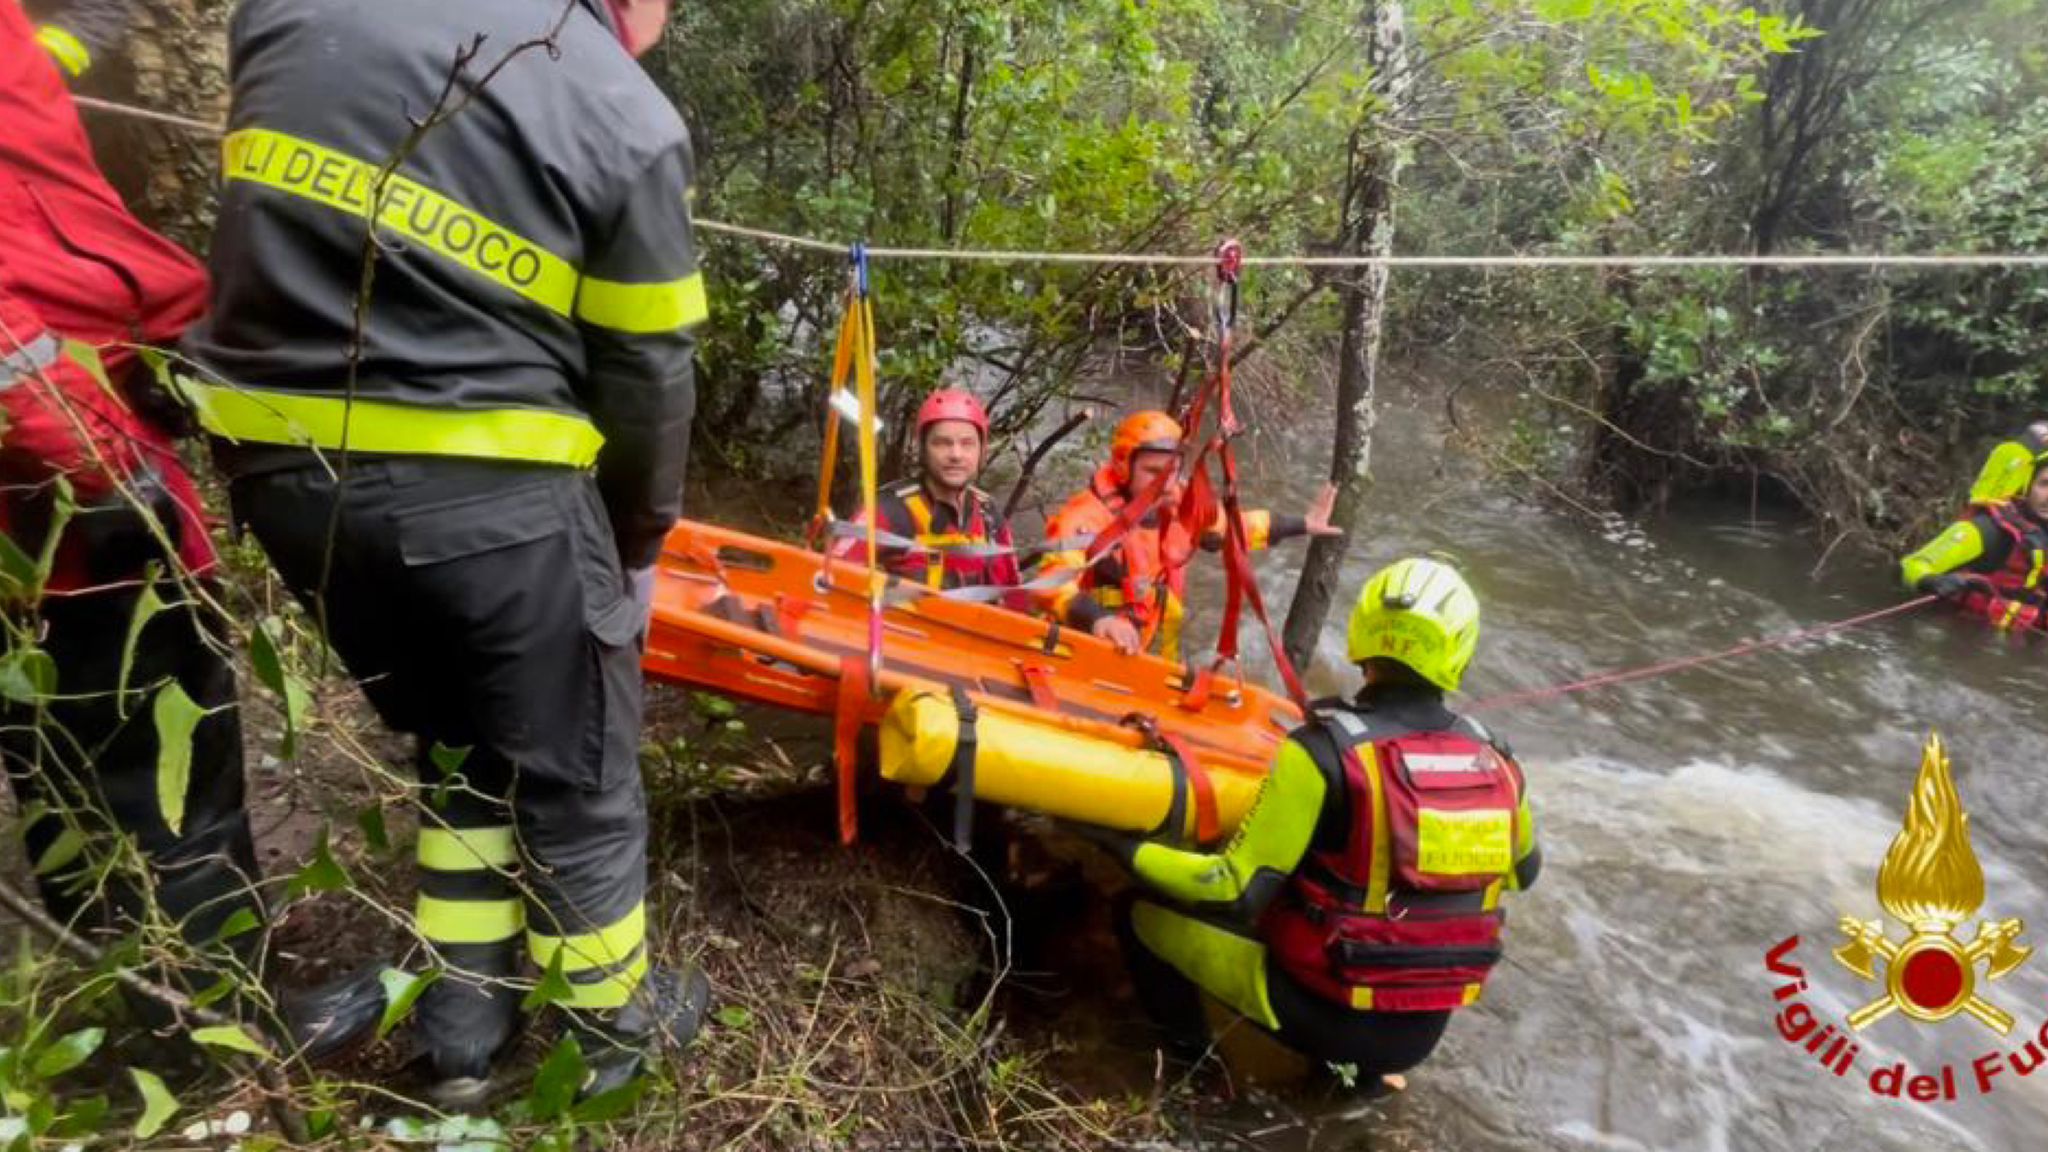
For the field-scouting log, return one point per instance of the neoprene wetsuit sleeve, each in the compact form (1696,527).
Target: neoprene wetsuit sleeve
(1268,846)
(1528,853)
(1976,543)
(641,296)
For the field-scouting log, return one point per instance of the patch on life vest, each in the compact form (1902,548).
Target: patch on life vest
(1441,765)
(1478,842)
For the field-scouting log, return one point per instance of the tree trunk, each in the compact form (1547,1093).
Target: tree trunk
(174,60)
(1367,230)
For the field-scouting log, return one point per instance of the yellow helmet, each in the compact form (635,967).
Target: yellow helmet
(1421,613)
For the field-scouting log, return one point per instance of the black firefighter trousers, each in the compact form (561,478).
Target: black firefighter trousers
(482,607)
(84,768)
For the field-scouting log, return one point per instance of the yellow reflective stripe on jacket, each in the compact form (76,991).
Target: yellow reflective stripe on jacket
(69,51)
(407,207)
(467,849)
(604,947)
(309,421)
(468,921)
(643,308)
(459,233)
(1361,998)
(921,523)
(1377,879)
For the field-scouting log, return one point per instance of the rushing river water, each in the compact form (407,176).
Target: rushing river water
(1690,823)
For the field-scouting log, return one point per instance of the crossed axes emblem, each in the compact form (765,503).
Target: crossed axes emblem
(1995,945)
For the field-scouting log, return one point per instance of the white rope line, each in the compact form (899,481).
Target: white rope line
(135,113)
(1869,260)
(1507,260)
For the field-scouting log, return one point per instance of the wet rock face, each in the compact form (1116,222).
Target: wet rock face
(175,60)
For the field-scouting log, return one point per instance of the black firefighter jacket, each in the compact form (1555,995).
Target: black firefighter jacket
(535,280)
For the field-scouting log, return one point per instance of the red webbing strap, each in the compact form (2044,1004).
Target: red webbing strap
(1241,583)
(790,612)
(1038,681)
(854,707)
(1127,518)
(1208,824)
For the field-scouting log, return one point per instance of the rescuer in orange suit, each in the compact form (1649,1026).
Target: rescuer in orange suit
(1136,586)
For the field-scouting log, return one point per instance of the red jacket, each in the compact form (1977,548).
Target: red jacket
(74,265)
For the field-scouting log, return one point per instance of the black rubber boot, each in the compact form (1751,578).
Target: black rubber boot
(464,1020)
(666,1012)
(459,1026)
(329,1019)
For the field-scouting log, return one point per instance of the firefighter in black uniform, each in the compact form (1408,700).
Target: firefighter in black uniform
(475,499)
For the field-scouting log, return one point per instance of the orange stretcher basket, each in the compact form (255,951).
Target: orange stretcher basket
(1068,726)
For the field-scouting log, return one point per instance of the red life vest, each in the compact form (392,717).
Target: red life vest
(973,554)
(2016,585)
(1404,915)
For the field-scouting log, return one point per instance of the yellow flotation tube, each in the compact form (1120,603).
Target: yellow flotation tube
(1045,768)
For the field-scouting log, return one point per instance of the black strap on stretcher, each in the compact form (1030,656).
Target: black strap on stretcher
(962,770)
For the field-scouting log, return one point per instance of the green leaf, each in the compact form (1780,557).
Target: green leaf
(734,1016)
(147,605)
(158,1105)
(69,1052)
(81,1118)
(609,1106)
(556,1083)
(244,920)
(65,506)
(323,874)
(263,655)
(17,571)
(229,1037)
(213,994)
(448,761)
(297,701)
(88,357)
(553,987)
(176,719)
(28,675)
(401,991)
(370,819)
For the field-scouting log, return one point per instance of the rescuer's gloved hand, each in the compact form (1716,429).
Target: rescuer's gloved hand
(1119,632)
(1947,585)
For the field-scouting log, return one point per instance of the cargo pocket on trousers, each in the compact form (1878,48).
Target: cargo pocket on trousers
(611,738)
(457,529)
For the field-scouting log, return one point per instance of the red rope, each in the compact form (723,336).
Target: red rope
(1651,671)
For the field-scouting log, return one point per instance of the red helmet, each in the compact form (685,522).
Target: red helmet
(1141,432)
(952,404)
